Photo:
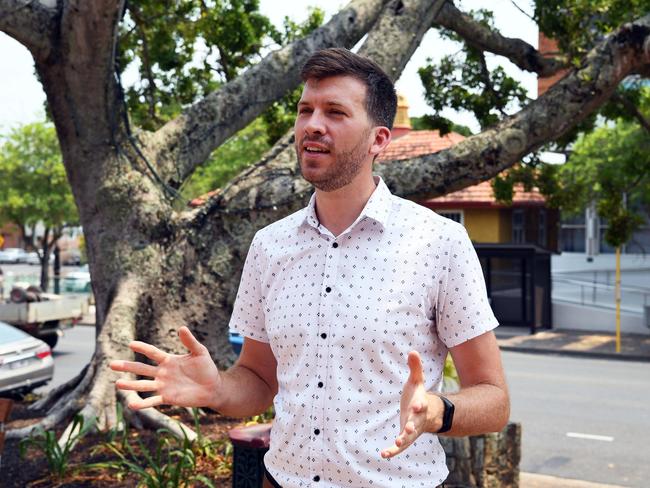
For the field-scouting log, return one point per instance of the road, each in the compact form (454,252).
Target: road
(582,418)
(71,354)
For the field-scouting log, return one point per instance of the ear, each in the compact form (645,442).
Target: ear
(382,138)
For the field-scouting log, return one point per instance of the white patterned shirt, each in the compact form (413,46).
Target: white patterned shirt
(341,315)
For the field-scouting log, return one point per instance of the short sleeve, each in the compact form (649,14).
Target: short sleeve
(463,309)
(248,311)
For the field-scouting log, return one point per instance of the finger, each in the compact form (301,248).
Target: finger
(139,403)
(140,369)
(409,428)
(404,440)
(417,407)
(137,385)
(152,352)
(190,342)
(416,374)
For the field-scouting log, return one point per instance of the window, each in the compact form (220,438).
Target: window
(541,227)
(455,215)
(518,226)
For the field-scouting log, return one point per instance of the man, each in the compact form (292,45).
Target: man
(339,303)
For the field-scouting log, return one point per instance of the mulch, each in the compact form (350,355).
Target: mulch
(32,470)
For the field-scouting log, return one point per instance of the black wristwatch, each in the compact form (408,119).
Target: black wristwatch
(447,415)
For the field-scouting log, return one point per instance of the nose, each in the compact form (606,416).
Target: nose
(315,123)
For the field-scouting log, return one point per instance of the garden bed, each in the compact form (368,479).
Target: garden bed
(211,458)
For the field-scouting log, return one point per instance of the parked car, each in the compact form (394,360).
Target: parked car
(25,361)
(77,281)
(32,258)
(13,255)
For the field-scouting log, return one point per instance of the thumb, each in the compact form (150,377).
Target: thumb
(190,342)
(416,373)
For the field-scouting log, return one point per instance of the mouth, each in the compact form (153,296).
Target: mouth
(312,148)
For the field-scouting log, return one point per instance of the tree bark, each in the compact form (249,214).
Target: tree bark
(155,268)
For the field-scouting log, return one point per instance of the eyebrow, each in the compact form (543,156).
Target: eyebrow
(330,103)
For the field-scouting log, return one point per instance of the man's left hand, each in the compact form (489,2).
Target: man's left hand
(419,411)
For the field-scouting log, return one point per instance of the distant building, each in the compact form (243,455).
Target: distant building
(526,221)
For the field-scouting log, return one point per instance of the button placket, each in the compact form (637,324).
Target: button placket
(325,326)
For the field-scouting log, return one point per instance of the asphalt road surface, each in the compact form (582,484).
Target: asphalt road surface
(581,418)
(71,354)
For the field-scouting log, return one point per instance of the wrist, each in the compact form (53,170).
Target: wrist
(435,412)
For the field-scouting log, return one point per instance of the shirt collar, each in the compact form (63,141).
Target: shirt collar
(377,207)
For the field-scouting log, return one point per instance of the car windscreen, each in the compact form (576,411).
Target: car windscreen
(10,334)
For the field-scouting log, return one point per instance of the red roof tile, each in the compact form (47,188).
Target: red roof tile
(417,143)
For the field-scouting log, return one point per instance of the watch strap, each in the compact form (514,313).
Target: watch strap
(447,415)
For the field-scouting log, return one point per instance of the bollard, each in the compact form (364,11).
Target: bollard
(5,410)
(250,443)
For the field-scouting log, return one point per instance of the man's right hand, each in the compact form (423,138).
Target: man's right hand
(187,380)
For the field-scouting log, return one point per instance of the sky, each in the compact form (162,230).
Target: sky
(22,97)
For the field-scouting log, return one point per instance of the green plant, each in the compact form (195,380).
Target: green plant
(172,463)
(57,455)
(262,418)
(450,381)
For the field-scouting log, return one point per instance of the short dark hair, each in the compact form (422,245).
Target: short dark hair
(381,99)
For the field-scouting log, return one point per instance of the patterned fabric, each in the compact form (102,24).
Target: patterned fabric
(341,314)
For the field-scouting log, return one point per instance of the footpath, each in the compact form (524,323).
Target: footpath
(634,347)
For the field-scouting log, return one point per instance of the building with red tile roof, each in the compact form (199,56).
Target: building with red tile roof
(526,220)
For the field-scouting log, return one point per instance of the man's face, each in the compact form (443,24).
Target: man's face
(332,131)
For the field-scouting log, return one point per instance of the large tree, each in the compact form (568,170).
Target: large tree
(154,266)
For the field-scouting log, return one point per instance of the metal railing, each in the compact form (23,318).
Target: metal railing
(634,299)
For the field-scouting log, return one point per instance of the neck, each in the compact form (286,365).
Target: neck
(337,210)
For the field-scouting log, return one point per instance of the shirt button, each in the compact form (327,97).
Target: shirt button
(316,431)
(317,478)
(328,289)
(324,335)
(320,384)
(335,245)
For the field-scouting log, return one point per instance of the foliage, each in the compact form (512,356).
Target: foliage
(610,166)
(172,463)
(445,126)
(185,50)
(450,380)
(578,24)
(463,82)
(262,418)
(33,183)
(58,457)
(249,144)
(238,152)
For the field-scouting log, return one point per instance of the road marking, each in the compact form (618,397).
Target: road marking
(591,437)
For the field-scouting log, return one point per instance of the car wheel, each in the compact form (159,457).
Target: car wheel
(51,340)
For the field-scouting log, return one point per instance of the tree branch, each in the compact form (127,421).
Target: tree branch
(387,45)
(187,141)
(30,22)
(633,110)
(552,115)
(481,37)
(274,188)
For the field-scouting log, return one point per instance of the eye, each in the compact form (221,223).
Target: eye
(337,112)
(304,110)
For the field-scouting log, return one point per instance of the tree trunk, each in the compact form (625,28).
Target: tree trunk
(45,259)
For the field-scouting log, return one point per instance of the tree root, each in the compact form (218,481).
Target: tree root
(91,394)
(70,401)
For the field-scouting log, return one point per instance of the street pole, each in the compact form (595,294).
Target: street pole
(618,299)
